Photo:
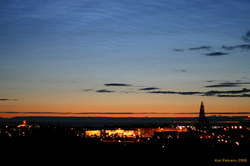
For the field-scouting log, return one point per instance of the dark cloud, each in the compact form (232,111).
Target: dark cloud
(241,46)
(104,91)
(231,93)
(174,92)
(149,88)
(189,93)
(5,99)
(117,84)
(194,48)
(246,36)
(228,84)
(163,92)
(200,48)
(216,54)
(216,92)
(242,95)
(210,80)
(222,85)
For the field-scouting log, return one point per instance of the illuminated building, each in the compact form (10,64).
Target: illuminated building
(92,133)
(147,132)
(24,124)
(171,129)
(123,133)
(150,132)
(132,133)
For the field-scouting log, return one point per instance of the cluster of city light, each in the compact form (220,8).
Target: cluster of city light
(23,129)
(234,127)
(218,133)
(223,138)
(177,129)
(113,133)
(133,133)
(93,133)
(123,133)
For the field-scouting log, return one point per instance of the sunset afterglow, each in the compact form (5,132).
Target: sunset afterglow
(124,58)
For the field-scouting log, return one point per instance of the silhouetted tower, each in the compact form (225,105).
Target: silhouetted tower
(203,122)
(202,112)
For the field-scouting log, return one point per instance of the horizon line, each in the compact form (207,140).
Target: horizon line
(121,113)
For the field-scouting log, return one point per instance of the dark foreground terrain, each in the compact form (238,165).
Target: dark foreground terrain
(224,144)
(72,148)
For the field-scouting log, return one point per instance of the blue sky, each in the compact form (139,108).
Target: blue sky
(63,46)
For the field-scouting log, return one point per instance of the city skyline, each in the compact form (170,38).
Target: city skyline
(124,58)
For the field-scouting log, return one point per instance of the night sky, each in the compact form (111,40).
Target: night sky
(124,57)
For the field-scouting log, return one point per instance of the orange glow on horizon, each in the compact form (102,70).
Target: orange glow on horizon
(135,115)
(156,106)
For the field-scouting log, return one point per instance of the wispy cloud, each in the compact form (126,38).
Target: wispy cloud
(242,95)
(200,48)
(228,48)
(178,50)
(246,36)
(240,46)
(227,84)
(117,84)
(216,53)
(149,88)
(5,99)
(193,48)
(156,90)
(175,92)
(231,93)
(222,85)
(104,91)
(216,92)
(210,80)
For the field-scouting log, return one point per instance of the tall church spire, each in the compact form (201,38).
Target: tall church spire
(202,111)
(203,122)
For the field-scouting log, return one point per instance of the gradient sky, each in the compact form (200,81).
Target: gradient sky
(57,56)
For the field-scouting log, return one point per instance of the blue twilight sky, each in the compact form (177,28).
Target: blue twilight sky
(68,46)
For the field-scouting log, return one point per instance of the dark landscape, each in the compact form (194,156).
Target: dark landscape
(202,140)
